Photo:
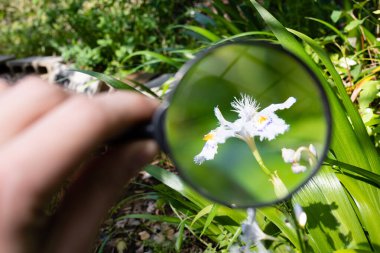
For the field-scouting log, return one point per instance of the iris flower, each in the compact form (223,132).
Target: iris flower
(294,157)
(251,122)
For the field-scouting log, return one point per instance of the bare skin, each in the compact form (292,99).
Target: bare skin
(48,135)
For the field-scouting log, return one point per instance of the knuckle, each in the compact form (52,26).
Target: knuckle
(89,109)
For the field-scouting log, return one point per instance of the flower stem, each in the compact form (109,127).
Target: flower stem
(252,145)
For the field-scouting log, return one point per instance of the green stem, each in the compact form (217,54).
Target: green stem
(252,145)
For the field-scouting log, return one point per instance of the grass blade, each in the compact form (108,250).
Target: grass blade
(333,28)
(210,217)
(201,31)
(160,57)
(369,176)
(117,84)
(179,240)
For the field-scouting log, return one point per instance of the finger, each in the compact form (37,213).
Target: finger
(63,137)
(24,103)
(3,85)
(89,199)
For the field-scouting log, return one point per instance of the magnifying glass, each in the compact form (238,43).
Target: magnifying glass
(246,124)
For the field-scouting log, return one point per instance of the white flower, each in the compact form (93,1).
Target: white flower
(251,232)
(298,168)
(250,123)
(294,157)
(213,138)
(346,63)
(300,215)
(279,187)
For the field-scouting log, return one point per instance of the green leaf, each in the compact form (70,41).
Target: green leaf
(369,176)
(108,79)
(247,34)
(176,183)
(330,215)
(365,154)
(180,237)
(202,212)
(335,15)
(160,57)
(353,24)
(142,87)
(210,217)
(370,91)
(351,251)
(284,37)
(333,28)
(201,31)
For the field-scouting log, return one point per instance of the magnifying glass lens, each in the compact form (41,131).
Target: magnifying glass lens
(247,124)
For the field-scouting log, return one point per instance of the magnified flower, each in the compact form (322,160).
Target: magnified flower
(250,123)
(294,157)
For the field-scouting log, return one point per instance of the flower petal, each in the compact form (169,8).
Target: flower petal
(298,168)
(271,128)
(274,107)
(221,119)
(288,155)
(300,215)
(208,152)
(313,150)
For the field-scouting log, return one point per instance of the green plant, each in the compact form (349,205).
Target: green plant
(342,201)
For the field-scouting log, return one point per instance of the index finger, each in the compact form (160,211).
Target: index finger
(47,151)
(3,85)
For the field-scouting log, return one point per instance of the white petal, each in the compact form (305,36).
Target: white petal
(313,150)
(274,107)
(208,152)
(220,117)
(300,215)
(274,127)
(298,168)
(246,107)
(221,134)
(345,62)
(288,155)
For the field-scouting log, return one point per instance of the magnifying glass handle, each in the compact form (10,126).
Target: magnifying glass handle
(141,131)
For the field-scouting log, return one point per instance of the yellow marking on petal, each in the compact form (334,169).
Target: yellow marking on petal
(262,119)
(208,136)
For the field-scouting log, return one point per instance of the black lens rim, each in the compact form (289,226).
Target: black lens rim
(160,119)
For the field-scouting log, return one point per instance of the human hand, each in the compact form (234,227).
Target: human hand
(46,134)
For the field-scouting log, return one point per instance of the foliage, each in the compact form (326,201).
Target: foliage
(338,41)
(342,201)
(93,34)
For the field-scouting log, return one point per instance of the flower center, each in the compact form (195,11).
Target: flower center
(208,136)
(262,119)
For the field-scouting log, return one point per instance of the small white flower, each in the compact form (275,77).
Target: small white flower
(280,189)
(288,155)
(298,168)
(294,157)
(251,232)
(313,150)
(250,123)
(346,63)
(300,215)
